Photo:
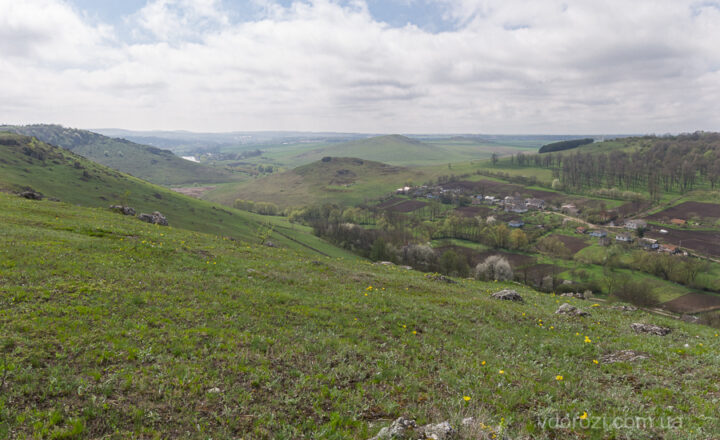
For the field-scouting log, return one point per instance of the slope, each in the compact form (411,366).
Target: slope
(115,329)
(341,180)
(26,163)
(393,149)
(155,165)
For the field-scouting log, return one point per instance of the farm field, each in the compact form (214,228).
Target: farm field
(704,242)
(687,211)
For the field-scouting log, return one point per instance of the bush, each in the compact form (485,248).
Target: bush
(494,267)
(420,257)
(711,319)
(453,264)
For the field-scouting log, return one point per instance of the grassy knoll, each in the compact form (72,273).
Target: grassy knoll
(345,181)
(155,165)
(118,329)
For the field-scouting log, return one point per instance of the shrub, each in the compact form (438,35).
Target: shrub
(453,264)
(494,267)
(636,292)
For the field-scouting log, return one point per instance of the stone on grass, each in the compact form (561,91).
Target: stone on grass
(407,429)
(625,308)
(507,295)
(124,210)
(440,431)
(567,309)
(442,278)
(31,195)
(650,329)
(399,429)
(624,356)
(155,218)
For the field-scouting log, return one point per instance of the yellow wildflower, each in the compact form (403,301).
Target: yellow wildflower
(558,377)
(501,372)
(466,398)
(584,415)
(595,361)
(482,363)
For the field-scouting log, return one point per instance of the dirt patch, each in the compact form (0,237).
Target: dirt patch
(688,210)
(390,202)
(195,191)
(473,211)
(704,242)
(408,206)
(632,208)
(693,303)
(574,244)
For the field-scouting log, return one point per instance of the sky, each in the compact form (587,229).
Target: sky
(374,66)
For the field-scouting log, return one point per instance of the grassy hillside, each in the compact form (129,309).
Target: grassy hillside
(342,180)
(117,329)
(28,163)
(393,149)
(155,165)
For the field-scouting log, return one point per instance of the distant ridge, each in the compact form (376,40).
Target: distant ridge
(153,164)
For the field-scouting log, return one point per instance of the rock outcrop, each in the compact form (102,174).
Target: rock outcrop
(508,295)
(31,195)
(570,310)
(407,429)
(124,210)
(650,329)
(155,218)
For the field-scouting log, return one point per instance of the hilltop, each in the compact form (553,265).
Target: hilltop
(117,328)
(27,163)
(340,180)
(149,163)
(392,149)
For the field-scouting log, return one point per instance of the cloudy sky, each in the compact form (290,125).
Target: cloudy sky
(390,66)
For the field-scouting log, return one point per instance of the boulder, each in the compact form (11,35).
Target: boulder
(403,428)
(31,195)
(577,295)
(507,295)
(269,244)
(625,308)
(567,309)
(650,329)
(124,210)
(155,218)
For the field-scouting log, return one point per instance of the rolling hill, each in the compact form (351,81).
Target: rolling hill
(342,180)
(55,172)
(112,328)
(155,165)
(392,149)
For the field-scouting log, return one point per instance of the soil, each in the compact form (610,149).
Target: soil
(688,210)
(407,206)
(390,202)
(693,303)
(704,242)
(574,244)
(474,211)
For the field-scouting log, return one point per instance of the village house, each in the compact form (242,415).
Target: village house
(569,208)
(599,234)
(634,225)
(581,229)
(536,204)
(516,223)
(403,190)
(476,200)
(624,238)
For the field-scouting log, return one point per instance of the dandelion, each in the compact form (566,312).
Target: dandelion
(584,415)
(587,340)
(467,398)
(577,334)
(558,377)
(595,305)
(524,315)
(404,326)
(482,363)
(552,328)
(366,294)
(501,372)
(595,361)
(414,332)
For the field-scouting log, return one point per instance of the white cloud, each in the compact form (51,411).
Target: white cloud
(511,66)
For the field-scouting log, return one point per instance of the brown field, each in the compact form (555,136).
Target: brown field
(703,242)
(688,210)
(473,211)
(407,206)
(195,191)
(693,303)
(390,202)
(631,208)
(574,244)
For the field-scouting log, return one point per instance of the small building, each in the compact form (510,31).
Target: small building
(634,225)
(624,238)
(476,200)
(581,230)
(663,231)
(536,204)
(403,190)
(516,223)
(569,208)
(678,222)
(491,199)
(599,234)
(669,248)
(517,208)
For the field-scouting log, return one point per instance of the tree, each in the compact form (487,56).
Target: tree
(494,159)
(518,239)
(453,264)
(494,267)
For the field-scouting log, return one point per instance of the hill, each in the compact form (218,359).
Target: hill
(26,163)
(393,149)
(342,180)
(114,328)
(153,164)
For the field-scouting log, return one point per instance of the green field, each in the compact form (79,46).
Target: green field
(115,328)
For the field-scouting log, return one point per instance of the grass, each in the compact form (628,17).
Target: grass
(115,328)
(74,179)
